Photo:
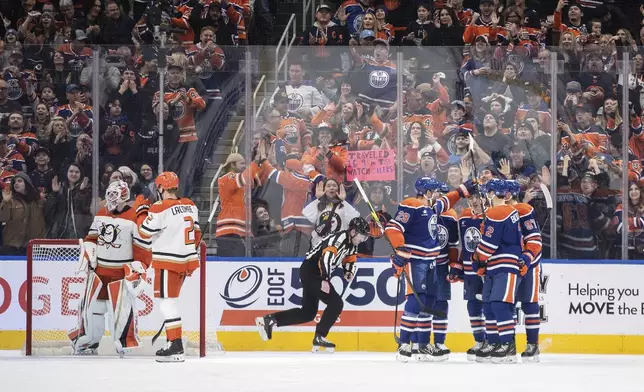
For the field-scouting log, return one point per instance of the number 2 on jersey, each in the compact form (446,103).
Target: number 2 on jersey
(190,230)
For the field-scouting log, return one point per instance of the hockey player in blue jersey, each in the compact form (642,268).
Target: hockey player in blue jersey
(413,233)
(497,259)
(530,263)
(469,224)
(448,240)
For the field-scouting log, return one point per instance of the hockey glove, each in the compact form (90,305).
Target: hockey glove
(467,188)
(479,267)
(524,262)
(399,259)
(455,274)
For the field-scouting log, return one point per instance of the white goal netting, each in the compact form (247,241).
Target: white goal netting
(55,293)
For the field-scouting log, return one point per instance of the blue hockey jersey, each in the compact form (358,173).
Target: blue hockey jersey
(469,225)
(532,242)
(501,241)
(448,237)
(416,227)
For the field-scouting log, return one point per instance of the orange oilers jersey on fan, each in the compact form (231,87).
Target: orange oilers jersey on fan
(118,241)
(183,112)
(295,135)
(172,226)
(232,218)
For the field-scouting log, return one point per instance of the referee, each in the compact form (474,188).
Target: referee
(315,273)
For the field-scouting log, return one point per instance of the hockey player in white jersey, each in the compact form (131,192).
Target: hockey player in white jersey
(172,227)
(115,258)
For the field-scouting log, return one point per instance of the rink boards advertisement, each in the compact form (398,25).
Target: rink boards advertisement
(585,308)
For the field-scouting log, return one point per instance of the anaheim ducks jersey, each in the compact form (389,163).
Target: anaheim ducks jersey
(532,242)
(118,241)
(469,225)
(501,241)
(172,226)
(415,226)
(448,237)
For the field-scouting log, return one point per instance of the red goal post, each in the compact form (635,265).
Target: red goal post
(54,290)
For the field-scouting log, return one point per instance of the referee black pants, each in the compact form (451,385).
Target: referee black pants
(311,297)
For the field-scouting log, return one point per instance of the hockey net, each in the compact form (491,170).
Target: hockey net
(54,291)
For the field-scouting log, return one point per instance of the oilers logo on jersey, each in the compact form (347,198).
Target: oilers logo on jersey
(178,111)
(295,101)
(291,134)
(443,236)
(107,235)
(471,239)
(379,78)
(432,226)
(357,22)
(206,70)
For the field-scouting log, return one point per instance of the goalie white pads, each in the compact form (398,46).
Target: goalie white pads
(91,322)
(121,307)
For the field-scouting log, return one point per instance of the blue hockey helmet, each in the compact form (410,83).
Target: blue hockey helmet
(514,187)
(499,187)
(444,188)
(425,184)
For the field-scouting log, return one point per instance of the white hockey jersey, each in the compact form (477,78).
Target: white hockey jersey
(118,241)
(172,226)
(305,100)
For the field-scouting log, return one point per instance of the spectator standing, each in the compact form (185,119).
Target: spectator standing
(492,140)
(43,175)
(21,212)
(207,59)
(329,213)
(117,27)
(67,209)
(355,11)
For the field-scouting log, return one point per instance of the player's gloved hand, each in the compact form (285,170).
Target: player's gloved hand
(455,274)
(467,188)
(524,262)
(479,267)
(399,259)
(325,287)
(398,271)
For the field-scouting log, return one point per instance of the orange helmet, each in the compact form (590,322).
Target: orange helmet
(167,180)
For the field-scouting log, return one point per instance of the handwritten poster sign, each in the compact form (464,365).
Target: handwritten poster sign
(372,165)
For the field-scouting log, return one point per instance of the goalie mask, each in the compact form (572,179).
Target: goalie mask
(117,192)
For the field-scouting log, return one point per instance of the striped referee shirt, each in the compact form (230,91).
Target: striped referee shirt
(332,251)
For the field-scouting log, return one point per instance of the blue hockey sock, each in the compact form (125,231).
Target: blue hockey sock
(424,328)
(503,313)
(477,321)
(408,328)
(491,331)
(439,325)
(532,321)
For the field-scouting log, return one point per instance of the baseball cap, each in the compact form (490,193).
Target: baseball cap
(323,7)
(79,35)
(486,1)
(41,149)
(73,87)
(367,34)
(381,41)
(584,108)
(573,87)
(234,158)
(281,95)
(459,103)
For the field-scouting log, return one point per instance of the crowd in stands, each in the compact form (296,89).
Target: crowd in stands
(78,75)
(474,89)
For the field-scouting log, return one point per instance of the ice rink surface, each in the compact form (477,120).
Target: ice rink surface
(307,372)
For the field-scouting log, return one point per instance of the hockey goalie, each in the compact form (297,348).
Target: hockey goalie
(115,258)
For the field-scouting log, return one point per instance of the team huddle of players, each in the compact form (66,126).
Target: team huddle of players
(499,265)
(126,241)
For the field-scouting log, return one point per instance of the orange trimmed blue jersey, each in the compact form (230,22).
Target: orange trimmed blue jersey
(448,237)
(501,241)
(532,242)
(469,225)
(415,226)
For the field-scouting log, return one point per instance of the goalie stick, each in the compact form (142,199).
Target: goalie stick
(374,217)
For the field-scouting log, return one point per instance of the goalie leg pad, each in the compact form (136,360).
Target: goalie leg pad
(172,320)
(123,314)
(91,311)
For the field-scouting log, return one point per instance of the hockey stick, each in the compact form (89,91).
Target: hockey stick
(396,337)
(374,217)
(549,203)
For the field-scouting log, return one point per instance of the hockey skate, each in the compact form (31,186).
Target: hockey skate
(86,351)
(485,353)
(426,353)
(504,353)
(321,344)
(265,326)
(441,353)
(471,353)
(531,353)
(172,352)
(414,351)
(404,352)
